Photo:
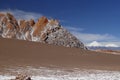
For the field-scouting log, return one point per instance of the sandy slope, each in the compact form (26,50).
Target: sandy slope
(22,53)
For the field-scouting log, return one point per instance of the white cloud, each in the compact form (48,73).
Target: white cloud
(74,29)
(87,38)
(19,14)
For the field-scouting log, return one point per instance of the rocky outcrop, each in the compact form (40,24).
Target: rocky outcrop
(22,77)
(44,30)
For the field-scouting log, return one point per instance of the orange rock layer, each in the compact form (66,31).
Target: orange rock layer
(44,30)
(39,26)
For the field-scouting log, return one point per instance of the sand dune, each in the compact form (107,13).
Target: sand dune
(24,53)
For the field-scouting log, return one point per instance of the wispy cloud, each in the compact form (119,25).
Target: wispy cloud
(74,29)
(89,37)
(19,14)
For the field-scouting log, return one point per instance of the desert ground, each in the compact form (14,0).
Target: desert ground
(25,53)
(22,55)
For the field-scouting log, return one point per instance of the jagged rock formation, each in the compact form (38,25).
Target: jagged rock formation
(44,30)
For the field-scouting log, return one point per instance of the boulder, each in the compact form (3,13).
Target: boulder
(22,77)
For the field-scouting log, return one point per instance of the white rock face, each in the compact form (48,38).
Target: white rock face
(44,30)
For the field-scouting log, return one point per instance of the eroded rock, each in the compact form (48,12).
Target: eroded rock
(44,30)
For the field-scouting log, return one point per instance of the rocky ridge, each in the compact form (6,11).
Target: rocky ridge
(44,30)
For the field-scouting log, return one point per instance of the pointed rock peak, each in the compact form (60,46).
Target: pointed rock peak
(11,19)
(3,18)
(10,16)
(23,24)
(39,26)
(8,20)
(41,21)
(2,15)
(54,22)
(43,18)
(31,22)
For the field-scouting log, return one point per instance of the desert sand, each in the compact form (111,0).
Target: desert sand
(25,53)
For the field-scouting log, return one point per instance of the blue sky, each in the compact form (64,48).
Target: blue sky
(89,20)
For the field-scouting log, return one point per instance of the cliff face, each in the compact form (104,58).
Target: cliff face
(44,30)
